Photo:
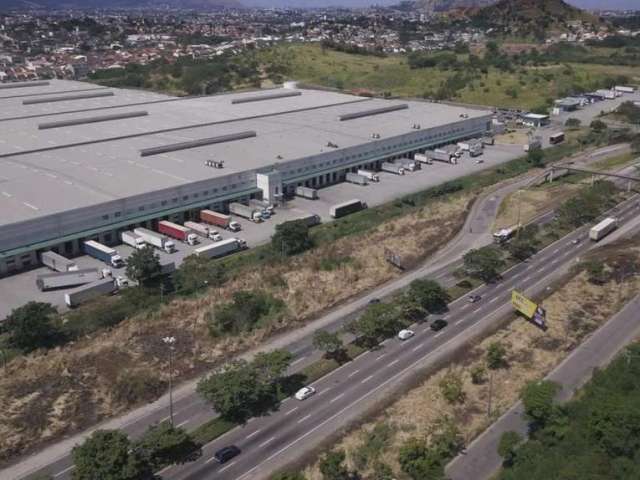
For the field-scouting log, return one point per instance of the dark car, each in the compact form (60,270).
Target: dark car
(438,324)
(474,298)
(227,453)
(374,301)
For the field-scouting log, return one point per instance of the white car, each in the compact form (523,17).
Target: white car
(405,334)
(305,392)
(215,236)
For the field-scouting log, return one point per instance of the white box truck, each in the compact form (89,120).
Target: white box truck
(220,249)
(57,262)
(51,281)
(602,229)
(356,179)
(306,192)
(371,176)
(88,292)
(156,240)
(245,211)
(392,168)
(133,240)
(423,158)
(408,164)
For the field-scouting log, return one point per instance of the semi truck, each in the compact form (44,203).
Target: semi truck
(476,149)
(51,281)
(602,229)
(133,240)
(371,176)
(624,89)
(408,164)
(103,253)
(306,192)
(441,155)
(392,168)
(88,292)
(357,179)
(156,240)
(423,158)
(57,262)
(220,249)
(263,205)
(346,208)
(219,220)
(178,232)
(310,220)
(245,211)
(505,234)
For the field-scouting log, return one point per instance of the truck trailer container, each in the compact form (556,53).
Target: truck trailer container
(220,249)
(57,262)
(219,220)
(476,149)
(88,292)
(310,220)
(608,94)
(623,89)
(357,179)
(51,281)
(392,168)
(306,192)
(371,176)
(245,211)
(602,229)
(423,158)
(103,253)
(440,155)
(346,208)
(178,232)
(156,240)
(133,240)
(408,164)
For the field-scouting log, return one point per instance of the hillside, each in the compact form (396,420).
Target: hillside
(202,5)
(434,6)
(530,17)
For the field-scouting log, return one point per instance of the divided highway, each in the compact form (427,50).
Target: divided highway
(298,426)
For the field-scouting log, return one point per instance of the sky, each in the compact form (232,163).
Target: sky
(602,4)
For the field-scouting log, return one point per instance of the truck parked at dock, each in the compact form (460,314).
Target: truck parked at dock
(133,240)
(103,253)
(157,240)
(90,291)
(245,211)
(178,232)
(57,262)
(392,168)
(356,179)
(220,249)
(219,220)
(306,192)
(371,176)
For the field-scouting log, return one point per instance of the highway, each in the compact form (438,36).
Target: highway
(297,427)
(191,411)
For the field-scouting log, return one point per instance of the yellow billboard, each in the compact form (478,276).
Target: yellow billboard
(523,304)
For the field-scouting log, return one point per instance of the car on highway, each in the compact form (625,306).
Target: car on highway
(438,325)
(304,393)
(474,298)
(227,453)
(405,334)
(576,241)
(374,301)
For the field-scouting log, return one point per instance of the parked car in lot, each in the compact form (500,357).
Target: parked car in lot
(438,325)
(304,393)
(474,298)
(227,453)
(405,334)
(215,236)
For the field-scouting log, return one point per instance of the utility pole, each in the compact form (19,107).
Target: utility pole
(490,393)
(170,342)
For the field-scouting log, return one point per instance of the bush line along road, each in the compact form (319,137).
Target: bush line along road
(191,410)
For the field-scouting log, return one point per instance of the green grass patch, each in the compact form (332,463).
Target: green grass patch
(211,430)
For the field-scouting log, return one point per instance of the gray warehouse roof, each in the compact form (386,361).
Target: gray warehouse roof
(81,164)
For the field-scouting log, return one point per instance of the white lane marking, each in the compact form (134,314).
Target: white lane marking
(209,460)
(298,360)
(493,299)
(556,250)
(367,379)
(380,356)
(324,391)
(417,347)
(336,398)
(266,441)
(292,410)
(526,279)
(460,321)
(182,423)
(64,471)
(476,311)
(227,466)
(393,363)
(555,260)
(438,334)
(253,434)
(353,373)
(304,418)
(466,305)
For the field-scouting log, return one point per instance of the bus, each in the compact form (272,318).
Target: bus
(556,138)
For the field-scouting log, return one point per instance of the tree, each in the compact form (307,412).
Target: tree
(573,123)
(537,398)
(419,462)
(108,455)
(288,476)
(598,125)
(478,375)
(635,144)
(291,238)
(31,327)
(536,157)
(596,272)
(198,273)
(332,466)
(429,295)
(483,263)
(143,265)
(379,321)
(164,444)
(330,343)
(451,387)
(248,310)
(496,356)
(509,442)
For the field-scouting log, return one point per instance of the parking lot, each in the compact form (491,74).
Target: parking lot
(19,289)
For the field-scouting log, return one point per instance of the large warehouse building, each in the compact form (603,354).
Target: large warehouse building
(79,161)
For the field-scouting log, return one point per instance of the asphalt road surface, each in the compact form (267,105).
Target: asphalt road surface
(481,460)
(190,410)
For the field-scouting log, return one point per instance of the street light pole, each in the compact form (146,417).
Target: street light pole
(170,341)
